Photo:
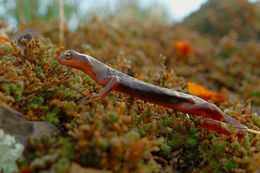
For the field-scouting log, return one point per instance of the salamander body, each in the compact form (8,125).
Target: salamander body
(113,80)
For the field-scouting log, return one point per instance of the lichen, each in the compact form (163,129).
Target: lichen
(10,151)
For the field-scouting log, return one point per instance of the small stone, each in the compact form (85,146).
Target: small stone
(75,168)
(14,124)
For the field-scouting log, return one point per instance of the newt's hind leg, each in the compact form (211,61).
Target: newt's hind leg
(206,109)
(223,128)
(112,84)
(214,117)
(213,112)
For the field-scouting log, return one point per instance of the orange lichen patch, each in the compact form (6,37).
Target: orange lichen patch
(204,93)
(184,47)
(4,39)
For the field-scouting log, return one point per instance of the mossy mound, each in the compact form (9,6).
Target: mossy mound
(219,17)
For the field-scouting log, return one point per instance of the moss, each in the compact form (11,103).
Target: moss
(256,120)
(191,142)
(62,165)
(230,165)
(165,150)
(37,69)
(67,148)
(131,136)
(68,93)
(86,47)
(148,113)
(139,119)
(103,143)
(52,117)
(112,118)
(215,164)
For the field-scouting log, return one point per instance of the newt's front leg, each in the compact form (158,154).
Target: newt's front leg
(112,84)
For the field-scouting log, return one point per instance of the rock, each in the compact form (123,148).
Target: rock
(28,34)
(76,168)
(14,124)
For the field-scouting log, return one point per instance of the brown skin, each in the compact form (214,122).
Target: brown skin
(113,80)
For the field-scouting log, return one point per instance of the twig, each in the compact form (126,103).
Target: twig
(61,34)
(253,131)
(20,12)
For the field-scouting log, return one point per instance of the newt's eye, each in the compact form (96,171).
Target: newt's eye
(67,56)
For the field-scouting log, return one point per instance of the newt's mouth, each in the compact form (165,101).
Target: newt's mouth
(60,59)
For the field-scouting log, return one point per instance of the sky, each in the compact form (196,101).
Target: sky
(182,8)
(178,9)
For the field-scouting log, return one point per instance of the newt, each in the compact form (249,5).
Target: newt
(113,80)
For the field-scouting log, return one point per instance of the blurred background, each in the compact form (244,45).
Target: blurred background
(17,12)
(26,11)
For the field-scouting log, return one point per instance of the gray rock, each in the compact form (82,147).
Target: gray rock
(28,34)
(14,124)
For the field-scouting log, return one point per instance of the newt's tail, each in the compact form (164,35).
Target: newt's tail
(226,129)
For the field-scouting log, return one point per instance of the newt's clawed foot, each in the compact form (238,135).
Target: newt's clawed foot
(224,128)
(96,97)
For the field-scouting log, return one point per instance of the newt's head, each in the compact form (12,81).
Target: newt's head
(71,58)
(78,60)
